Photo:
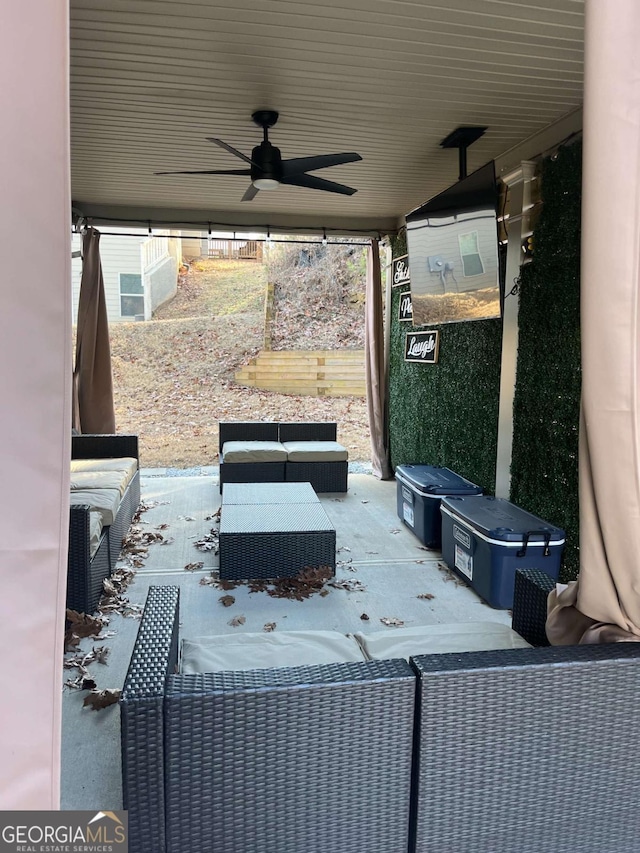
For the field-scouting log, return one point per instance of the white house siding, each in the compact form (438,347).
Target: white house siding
(119,254)
(160,284)
(123,254)
(425,243)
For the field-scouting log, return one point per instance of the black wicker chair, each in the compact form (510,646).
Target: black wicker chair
(248,472)
(323,476)
(85,574)
(515,751)
(525,750)
(310,758)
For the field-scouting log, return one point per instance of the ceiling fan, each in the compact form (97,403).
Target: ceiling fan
(268,170)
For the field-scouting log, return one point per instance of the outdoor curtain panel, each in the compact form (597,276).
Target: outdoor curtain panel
(93,410)
(604,604)
(35,428)
(375,368)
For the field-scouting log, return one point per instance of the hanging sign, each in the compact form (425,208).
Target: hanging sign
(400,271)
(422,347)
(405,309)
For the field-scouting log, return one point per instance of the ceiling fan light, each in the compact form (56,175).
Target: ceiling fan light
(265,183)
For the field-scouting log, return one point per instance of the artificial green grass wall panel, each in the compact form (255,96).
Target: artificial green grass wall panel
(446,414)
(544,468)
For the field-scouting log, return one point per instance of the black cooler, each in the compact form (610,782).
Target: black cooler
(420,488)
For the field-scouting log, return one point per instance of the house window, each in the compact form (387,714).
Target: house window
(131,294)
(470,254)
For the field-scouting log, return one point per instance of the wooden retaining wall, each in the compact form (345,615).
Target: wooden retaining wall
(316,373)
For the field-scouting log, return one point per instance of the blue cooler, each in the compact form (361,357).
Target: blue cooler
(485,539)
(420,488)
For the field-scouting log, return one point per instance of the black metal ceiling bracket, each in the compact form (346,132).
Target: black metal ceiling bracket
(461,138)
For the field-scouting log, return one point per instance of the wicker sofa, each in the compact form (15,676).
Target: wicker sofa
(514,751)
(296,452)
(94,546)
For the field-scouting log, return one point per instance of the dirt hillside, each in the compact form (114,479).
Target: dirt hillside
(173,376)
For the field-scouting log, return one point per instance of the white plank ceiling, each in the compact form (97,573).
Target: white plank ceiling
(389,79)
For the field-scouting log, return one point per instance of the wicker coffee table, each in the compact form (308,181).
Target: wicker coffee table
(273,530)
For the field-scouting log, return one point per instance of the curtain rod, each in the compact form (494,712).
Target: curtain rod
(210,225)
(312,241)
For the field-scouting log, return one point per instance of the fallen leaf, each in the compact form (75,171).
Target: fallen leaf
(162,526)
(168,541)
(227,600)
(98,699)
(364,617)
(426,596)
(206,545)
(350,584)
(101,653)
(391,621)
(191,567)
(186,518)
(269,626)
(395,530)
(237,620)
(82,682)
(364,502)
(342,548)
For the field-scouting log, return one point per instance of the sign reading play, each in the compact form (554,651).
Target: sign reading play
(63,831)
(405,309)
(422,347)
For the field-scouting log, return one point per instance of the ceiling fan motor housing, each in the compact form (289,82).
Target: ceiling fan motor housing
(268,162)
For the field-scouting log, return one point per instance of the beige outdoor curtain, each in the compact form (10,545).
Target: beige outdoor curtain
(35,427)
(375,367)
(93,410)
(604,605)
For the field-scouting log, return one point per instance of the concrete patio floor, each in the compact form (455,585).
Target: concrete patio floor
(373,546)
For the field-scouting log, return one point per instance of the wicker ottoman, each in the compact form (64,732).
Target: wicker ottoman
(273,540)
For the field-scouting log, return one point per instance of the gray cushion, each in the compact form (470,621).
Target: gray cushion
(83,480)
(95,531)
(262,651)
(103,501)
(315,451)
(126,464)
(434,639)
(253,451)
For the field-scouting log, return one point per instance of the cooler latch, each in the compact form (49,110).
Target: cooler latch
(525,541)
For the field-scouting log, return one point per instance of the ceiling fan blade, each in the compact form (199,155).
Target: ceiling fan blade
(298,165)
(313,183)
(250,194)
(210,172)
(230,149)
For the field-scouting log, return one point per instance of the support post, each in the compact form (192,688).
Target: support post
(519,184)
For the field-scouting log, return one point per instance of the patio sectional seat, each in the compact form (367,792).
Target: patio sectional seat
(314,758)
(517,749)
(268,452)
(105,493)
